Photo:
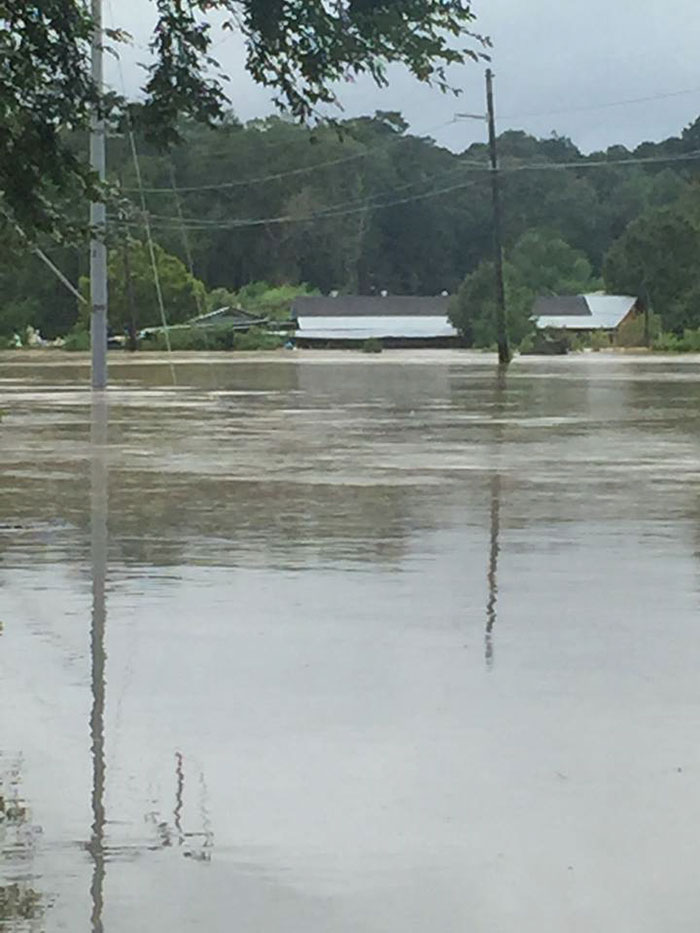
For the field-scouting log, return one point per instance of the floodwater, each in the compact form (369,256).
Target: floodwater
(344,644)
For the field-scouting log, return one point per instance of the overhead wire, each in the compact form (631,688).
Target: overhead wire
(585,108)
(355,207)
(147,226)
(291,173)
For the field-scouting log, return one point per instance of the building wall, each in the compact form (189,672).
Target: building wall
(361,328)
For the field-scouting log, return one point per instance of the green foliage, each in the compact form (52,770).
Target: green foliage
(257,338)
(30,295)
(17,314)
(215,338)
(190,338)
(657,257)
(131,279)
(372,345)
(77,340)
(300,49)
(600,340)
(539,263)
(545,343)
(272,301)
(220,298)
(544,263)
(338,189)
(688,342)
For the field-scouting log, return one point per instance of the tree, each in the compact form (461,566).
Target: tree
(540,263)
(544,263)
(656,257)
(297,48)
(133,296)
(473,309)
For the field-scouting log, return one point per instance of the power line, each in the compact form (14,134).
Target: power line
(612,103)
(356,206)
(277,176)
(362,202)
(203,225)
(693,156)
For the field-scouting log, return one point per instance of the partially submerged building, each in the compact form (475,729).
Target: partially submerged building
(585,314)
(395,320)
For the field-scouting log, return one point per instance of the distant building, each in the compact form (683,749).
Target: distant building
(585,313)
(228,317)
(393,319)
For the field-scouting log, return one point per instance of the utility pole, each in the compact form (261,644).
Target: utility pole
(98,214)
(501,316)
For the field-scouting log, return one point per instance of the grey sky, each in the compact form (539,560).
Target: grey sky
(551,58)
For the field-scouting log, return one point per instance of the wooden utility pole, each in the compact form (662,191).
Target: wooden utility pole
(501,316)
(98,214)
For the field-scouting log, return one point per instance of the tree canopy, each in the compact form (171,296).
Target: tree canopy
(300,49)
(365,207)
(540,263)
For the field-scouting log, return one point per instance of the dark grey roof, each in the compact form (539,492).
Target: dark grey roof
(561,306)
(370,306)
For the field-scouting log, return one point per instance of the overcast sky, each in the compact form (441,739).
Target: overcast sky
(555,60)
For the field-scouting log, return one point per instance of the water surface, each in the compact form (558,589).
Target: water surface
(324,642)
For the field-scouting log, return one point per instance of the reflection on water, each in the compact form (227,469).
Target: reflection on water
(492,576)
(499,409)
(99,507)
(295,645)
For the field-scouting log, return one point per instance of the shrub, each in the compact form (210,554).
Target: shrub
(77,340)
(213,338)
(372,345)
(257,338)
(673,343)
(545,342)
(600,340)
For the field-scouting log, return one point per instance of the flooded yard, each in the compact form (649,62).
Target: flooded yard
(338,644)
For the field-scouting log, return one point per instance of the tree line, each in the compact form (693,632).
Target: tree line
(363,206)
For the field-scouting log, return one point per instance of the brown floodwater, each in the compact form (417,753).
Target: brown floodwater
(342,644)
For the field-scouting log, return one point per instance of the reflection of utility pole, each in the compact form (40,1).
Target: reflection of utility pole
(98,559)
(179,795)
(495,517)
(501,318)
(492,573)
(501,315)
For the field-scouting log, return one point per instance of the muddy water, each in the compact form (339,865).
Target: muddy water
(330,643)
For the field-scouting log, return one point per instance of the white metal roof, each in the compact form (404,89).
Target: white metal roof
(359,327)
(606,313)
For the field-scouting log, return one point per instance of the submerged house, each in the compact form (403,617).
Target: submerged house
(395,320)
(228,318)
(585,314)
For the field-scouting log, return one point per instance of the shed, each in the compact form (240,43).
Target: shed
(396,320)
(584,313)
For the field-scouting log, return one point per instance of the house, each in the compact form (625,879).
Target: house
(395,320)
(228,317)
(235,318)
(585,313)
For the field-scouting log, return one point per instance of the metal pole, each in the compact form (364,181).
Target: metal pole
(501,317)
(98,216)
